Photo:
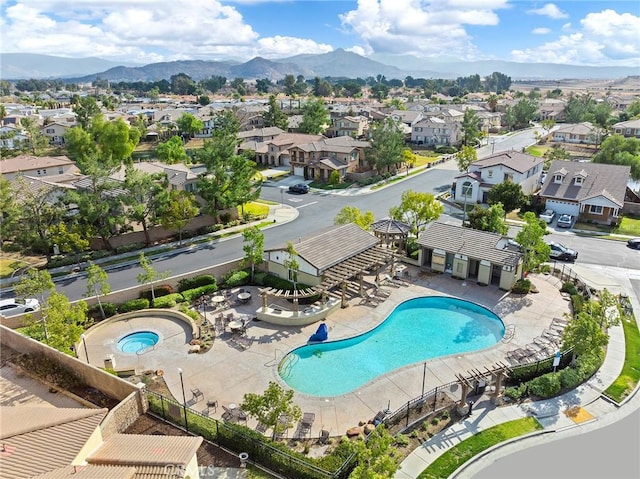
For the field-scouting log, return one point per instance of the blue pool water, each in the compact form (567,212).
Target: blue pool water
(135,342)
(416,330)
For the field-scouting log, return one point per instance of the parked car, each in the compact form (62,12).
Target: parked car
(565,221)
(299,188)
(548,215)
(14,306)
(634,243)
(561,252)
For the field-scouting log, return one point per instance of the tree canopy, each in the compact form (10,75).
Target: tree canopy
(351,214)
(618,150)
(488,219)
(387,145)
(315,117)
(508,193)
(417,209)
(274,408)
(530,239)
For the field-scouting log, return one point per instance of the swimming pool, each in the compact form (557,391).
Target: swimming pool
(136,342)
(416,330)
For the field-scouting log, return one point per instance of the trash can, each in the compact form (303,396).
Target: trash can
(110,362)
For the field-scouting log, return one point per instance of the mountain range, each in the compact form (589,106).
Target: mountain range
(338,63)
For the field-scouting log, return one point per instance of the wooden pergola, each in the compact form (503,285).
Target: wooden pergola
(493,375)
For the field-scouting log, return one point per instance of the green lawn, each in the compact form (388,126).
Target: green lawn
(630,374)
(255,208)
(628,226)
(8,266)
(456,456)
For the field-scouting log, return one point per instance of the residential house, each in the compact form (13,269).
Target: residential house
(520,168)
(319,159)
(435,131)
(179,176)
(589,191)
(353,126)
(628,129)
(406,117)
(583,133)
(38,166)
(12,137)
(278,149)
(260,134)
(55,132)
(465,253)
(551,109)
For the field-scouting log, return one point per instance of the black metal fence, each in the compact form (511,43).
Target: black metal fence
(273,456)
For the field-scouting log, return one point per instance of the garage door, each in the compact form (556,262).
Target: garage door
(563,207)
(298,170)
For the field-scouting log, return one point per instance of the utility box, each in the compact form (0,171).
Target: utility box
(110,362)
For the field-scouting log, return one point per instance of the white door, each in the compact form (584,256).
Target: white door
(298,170)
(564,207)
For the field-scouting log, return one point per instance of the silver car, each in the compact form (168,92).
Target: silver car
(565,221)
(548,215)
(15,306)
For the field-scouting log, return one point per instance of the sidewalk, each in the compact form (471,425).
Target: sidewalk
(551,413)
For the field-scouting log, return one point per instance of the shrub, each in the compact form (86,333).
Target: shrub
(189,312)
(278,283)
(236,278)
(158,291)
(577,303)
(109,310)
(516,392)
(133,305)
(522,286)
(545,386)
(569,287)
(569,378)
(258,278)
(191,294)
(401,440)
(168,301)
(195,282)
(129,247)
(587,365)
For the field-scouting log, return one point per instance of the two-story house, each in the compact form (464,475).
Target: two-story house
(434,131)
(353,126)
(588,191)
(278,149)
(55,132)
(12,137)
(38,166)
(319,159)
(520,168)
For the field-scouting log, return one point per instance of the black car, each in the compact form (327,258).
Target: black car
(634,243)
(562,253)
(299,188)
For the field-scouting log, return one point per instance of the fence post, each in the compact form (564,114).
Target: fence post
(162,407)
(435,399)
(407,414)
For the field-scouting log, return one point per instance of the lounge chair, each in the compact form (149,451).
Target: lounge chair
(197,394)
(324,436)
(227,415)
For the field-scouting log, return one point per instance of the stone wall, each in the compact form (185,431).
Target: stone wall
(98,379)
(125,414)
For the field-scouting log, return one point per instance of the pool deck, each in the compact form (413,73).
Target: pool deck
(226,372)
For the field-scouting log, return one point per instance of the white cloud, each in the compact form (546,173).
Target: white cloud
(279,46)
(541,31)
(419,27)
(606,38)
(549,10)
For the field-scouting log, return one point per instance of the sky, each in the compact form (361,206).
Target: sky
(576,32)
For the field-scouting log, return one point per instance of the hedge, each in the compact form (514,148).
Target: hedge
(168,301)
(237,278)
(158,291)
(191,294)
(109,310)
(195,282)
(133,305)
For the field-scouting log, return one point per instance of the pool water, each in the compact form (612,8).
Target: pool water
(136,342)
(416,330)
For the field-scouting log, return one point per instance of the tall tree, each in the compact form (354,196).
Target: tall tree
(86,109)
(182,84)
(253,248)
(521,114)
(68,239)
(417,209)
(351,214)
(387,145)
(465,157)
(37,283)
(315,117)
(618,150)
(145,195)
(189,124)
(531,240)
(176,213)
(37,140)
(115,139)
(149,275)
(289,83)
(274,116)
(291,264)
(490,219)
(172,151)
(508,193)
(377,458)
(470,128)
(97,284)
(274,408)
(10,217)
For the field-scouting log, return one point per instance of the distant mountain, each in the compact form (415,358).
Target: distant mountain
(338,63)
(24,66)
(427,68)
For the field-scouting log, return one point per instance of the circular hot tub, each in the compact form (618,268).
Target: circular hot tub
(136,342)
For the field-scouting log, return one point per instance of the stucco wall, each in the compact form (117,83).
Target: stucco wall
(96,378)
(124,414)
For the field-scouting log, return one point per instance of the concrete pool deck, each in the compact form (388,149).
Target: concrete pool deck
(226,372)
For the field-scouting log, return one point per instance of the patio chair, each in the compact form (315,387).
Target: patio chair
(324,436)
(261,428)
(227,415)
(197,394)
(308,418)
(240,415)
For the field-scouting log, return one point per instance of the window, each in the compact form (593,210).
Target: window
(467,189)
(508,177)
(490,174)
(578,180)
(50,130)
(60,170)
(596,210)
(557,178)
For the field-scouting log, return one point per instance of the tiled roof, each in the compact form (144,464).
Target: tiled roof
(469,242)
(92,472)
(294,139)
(389,226)
(146,450)
(609,181)
(32,437)
(334,245)
(584,128)
(28,163)
(260,132)
(515,160)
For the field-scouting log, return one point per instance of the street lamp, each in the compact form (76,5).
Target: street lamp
(184,400)
(84,344)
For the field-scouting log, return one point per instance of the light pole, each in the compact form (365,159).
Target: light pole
(184,400)
(84,344)
(281,196)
